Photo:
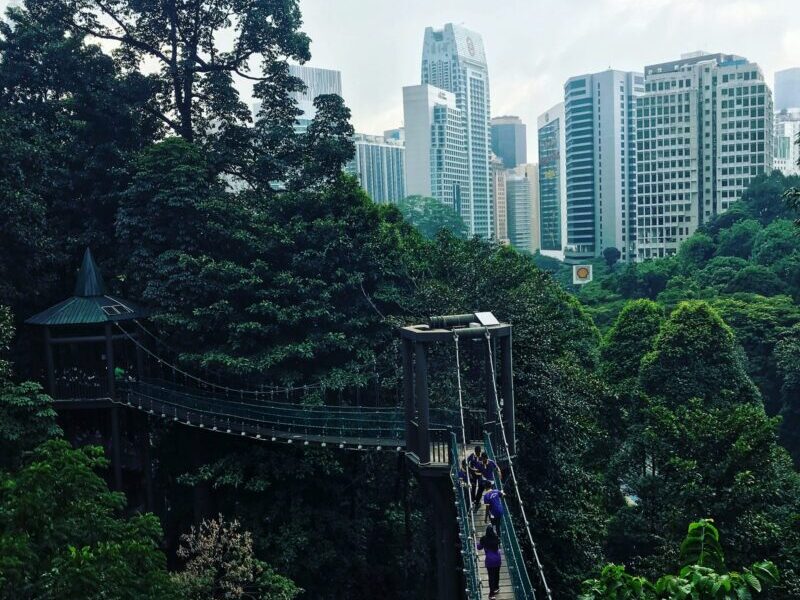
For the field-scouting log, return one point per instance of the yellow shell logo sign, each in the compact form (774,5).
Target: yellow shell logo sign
(581,274)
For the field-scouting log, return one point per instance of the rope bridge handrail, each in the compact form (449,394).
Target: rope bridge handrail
(520,580)
(319,423)
(466,527)
(514,480)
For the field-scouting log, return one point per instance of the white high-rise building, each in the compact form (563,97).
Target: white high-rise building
(318,82)
(518,201)
(704,130)
(600,139)
(454,60)
(436,149)
(499,199)
(552,182)
(787,137)
(787,89)
(379,164)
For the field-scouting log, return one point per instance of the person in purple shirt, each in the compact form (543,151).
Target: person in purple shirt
(462,473)
(490,469)
(493,499)
(474,465)
(490,544)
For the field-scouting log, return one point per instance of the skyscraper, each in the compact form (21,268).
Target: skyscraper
(787,135)
(600,141)
(379,164)
(518,200)
(499,199)
(509,141)
(704,129)
(531,172)
(318,82)
(436,148)
(552,181)
(453,59)
(787,89)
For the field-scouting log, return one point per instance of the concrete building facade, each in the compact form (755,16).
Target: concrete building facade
(436,148)
(600,141)
(704,130)
(379,164)
(499,200)
(787,138)
(509,141)
(453,59)
(552,182)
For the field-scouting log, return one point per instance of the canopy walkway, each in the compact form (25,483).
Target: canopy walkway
(351,427)
(88,339)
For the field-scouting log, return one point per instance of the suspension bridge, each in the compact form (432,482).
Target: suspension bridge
(434,440)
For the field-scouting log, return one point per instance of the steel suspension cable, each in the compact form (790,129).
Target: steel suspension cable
(264,389)
(473,540)
(511,469)
(211,384)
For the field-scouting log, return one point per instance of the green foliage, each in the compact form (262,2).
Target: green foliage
(757,280)
(787,354)
(695,355)
(758,323)
(62,536)
(220,563)
(720,271)
(68,123)
(629,339)
(611,256)
(647,279)
(775,242)
(702,577)
(27,417)
(762,200)
(430,216)
(701,546)
(738,239)
(695,252)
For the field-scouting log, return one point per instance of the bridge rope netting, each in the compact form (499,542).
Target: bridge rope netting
(259,415)
(470,554)
(538,562)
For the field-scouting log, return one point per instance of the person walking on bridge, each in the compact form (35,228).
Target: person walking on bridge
(493,499)
(474,464)
(490,544)
(490,470)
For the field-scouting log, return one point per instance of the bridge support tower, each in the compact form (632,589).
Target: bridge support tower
(428,441)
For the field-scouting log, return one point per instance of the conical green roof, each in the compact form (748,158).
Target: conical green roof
(90,304)
(90,281)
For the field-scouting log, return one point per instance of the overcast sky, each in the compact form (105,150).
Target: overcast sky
(533,46)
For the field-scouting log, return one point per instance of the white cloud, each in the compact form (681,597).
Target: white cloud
(533,46)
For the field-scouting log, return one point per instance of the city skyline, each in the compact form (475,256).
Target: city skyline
(530,57)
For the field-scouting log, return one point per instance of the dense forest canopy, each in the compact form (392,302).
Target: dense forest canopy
(647,400)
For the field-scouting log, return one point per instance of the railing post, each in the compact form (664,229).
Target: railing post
(423,403)
(408,394)
(507,387)
(491,404)
(51,371)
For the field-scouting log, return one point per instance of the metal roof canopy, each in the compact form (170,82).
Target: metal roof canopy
(469,325)
(90,304)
